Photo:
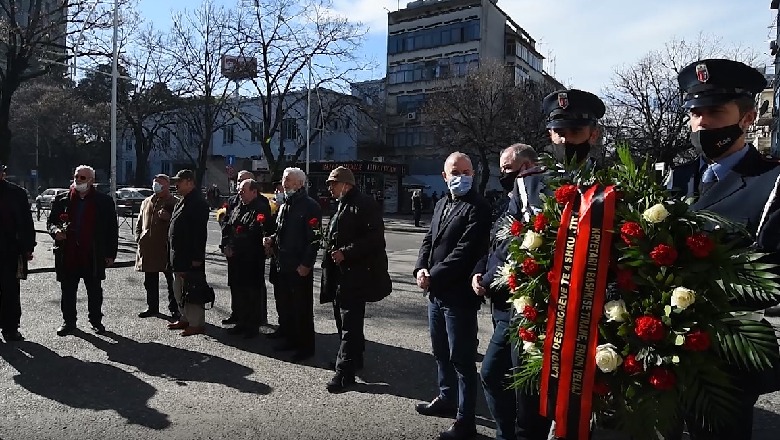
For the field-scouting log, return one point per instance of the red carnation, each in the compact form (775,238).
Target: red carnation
(551,278)
(630,232)
(662,378)
(631,365)
(260,218)
(512,281)
(313,222)
(239,229)
(526,335)
(565,194)
(700,245)
(625,281)
(225,205)
(649,328)
(530,267)
(540,222)
(664,255)
(530,313)
(697,340)
(64,217)
(600,388)
(517,228)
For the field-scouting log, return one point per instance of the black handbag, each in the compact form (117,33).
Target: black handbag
(197,290)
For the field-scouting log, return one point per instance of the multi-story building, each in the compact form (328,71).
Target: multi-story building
(775,84)
(433,39)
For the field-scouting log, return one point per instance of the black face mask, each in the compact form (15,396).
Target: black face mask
(713,143)
(507,180)
(578,151)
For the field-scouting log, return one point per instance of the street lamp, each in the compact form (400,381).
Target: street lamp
(114,80)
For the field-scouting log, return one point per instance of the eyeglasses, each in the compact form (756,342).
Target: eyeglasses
(80,177)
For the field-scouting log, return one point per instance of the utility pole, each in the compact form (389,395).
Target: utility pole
(114,79)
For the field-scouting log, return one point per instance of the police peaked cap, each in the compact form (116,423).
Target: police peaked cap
(718,81)
(572,108)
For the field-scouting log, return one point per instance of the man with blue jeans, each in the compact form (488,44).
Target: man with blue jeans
(457,238)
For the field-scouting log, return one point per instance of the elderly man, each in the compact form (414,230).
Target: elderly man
(354,270)
(151,234)
(84,227)
(17,241)
(232,203)
(242,244)
(457,238)
(295,246)
(187,236)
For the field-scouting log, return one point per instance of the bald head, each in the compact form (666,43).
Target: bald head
(456,165)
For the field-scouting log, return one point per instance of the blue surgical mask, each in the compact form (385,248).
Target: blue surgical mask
(460,185)
(279,198)
(157,187)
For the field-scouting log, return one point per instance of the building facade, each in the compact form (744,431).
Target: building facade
(775,84)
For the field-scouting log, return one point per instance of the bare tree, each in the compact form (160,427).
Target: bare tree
(644,103)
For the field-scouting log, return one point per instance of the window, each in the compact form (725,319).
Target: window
(130,143)
(255,131)
(165,167)
(289,129)
(227,134)
(128,170)
(435,37)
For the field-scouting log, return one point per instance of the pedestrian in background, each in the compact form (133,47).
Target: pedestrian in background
(232,203)
(17,242)
(151,235)
(187,250)
(417,207)
(84,227)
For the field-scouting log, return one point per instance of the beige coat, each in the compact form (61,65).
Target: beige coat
(151,234)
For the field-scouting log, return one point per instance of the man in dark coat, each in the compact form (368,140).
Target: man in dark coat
(457,238)
(295,245)
(233,202)
(17,242)
(242,244)
(417,207)
(187,246)
(84,227)
(354,270)
(731,178)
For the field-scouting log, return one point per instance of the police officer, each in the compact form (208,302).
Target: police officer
(17,241)
(730,178)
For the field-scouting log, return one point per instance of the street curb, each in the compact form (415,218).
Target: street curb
(403,229)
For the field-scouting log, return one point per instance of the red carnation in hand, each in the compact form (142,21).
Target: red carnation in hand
(565,194)
(526,335)
(530,267)
(260,218)
(64,217)
(530,313)
(239,229)
(225,205)
(664,255)
(600,388)
(697,340)
(517,228)
(512,281)
(649,328)
(662,378)
(700,245)
(631,232)
(625,281)
(631,365)
(551,277)
(313,222)
(540,222)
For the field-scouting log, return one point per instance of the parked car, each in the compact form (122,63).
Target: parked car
(128,200)
(44,199)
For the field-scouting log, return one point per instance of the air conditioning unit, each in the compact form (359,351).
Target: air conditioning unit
(411,116)
(378,159)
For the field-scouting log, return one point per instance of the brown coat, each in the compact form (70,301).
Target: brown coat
(151,234)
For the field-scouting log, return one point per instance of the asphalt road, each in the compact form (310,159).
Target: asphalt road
(142,381)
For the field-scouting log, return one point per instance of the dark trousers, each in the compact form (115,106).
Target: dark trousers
(295,304)
(152,286)
(70,285)
(250,305)
(10,303)
(454,340)
(417,216)
(530,425)
(350,316)
(496,369)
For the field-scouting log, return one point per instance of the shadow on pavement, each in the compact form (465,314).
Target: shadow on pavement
(80,384)
(176,364)
(765,424)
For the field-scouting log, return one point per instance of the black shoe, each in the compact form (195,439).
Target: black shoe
(230,320)
(276,334)
(340,383)
(772,311)
(300,355)
(148,313)
(175,316)
(66,329)
(98,328)
(459,430)
(12,335)
(285,346)
(358,364)
(438,407)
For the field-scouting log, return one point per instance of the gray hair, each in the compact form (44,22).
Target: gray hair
(295,173)
(251,183)
(520,152)
(245,172)
(87,168)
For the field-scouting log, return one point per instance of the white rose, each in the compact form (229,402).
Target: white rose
(656,213)
(682,298)
(530,347)
(607,358)
(615,310)
(521,302)
(531,240)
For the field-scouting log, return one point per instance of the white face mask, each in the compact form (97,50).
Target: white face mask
(82,187)
(157,187)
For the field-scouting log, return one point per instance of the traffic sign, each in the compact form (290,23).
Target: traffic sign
(34,173)
(230,160)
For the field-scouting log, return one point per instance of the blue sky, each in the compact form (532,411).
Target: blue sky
(587,39)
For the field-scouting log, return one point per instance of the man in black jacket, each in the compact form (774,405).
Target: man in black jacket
(84,227)
(354,270)
(187,246)
(233,202)
(457,238)
(17,242)
(295,245)
(242,244)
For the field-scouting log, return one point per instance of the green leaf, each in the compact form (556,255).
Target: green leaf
(748,344)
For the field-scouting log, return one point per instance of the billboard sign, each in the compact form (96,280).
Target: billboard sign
(237,67)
